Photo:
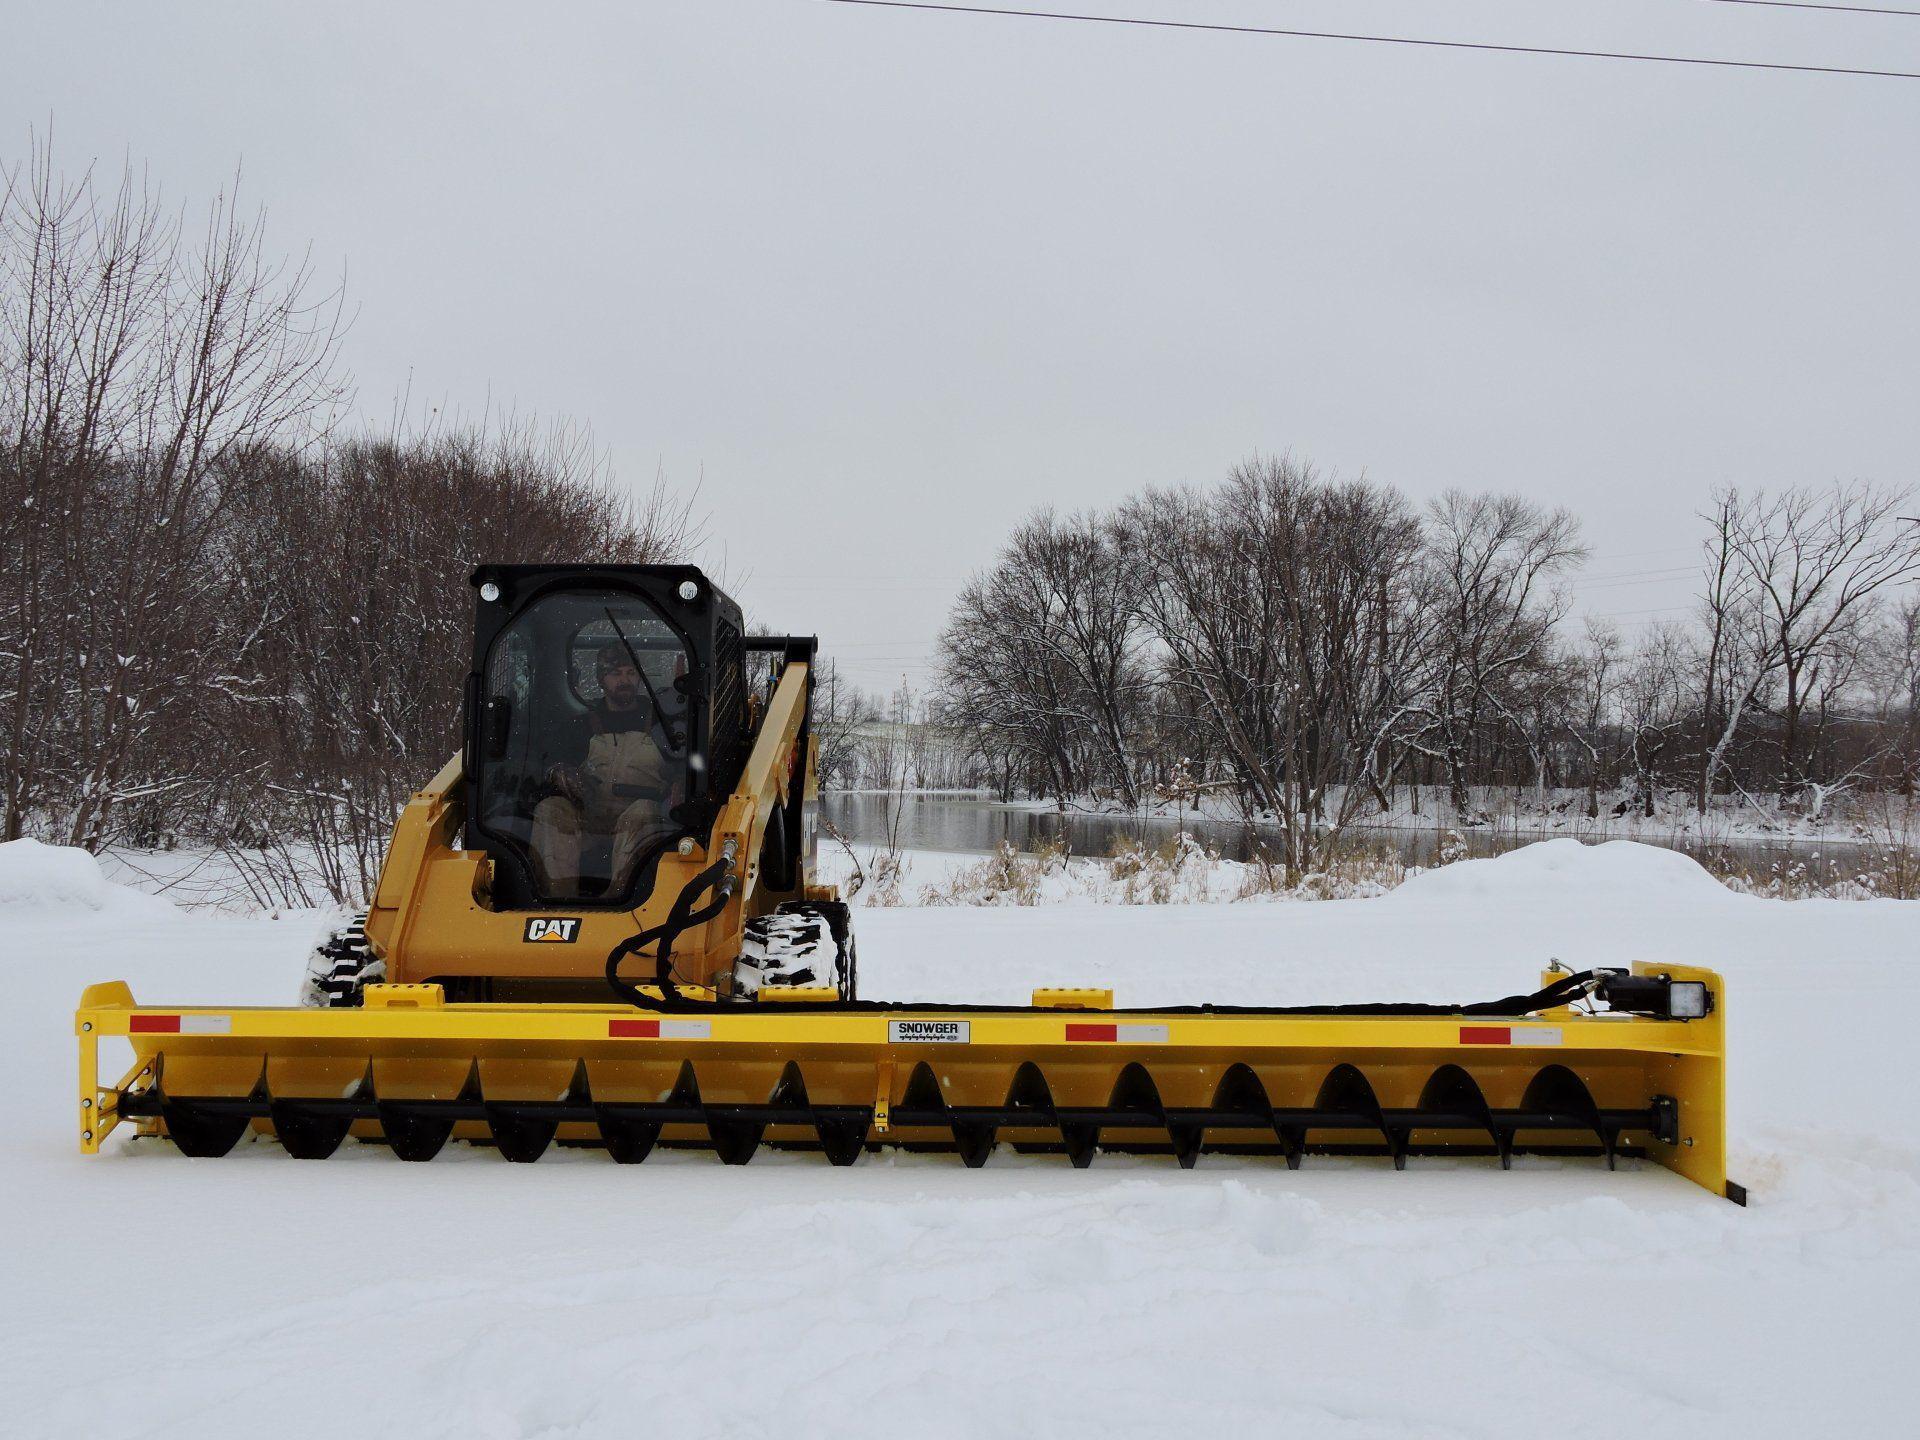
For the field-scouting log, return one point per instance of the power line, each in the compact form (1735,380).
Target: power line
(876,575)
(855,583)
(1810,5)
(1662,550)
(1380,39)
(1634,577)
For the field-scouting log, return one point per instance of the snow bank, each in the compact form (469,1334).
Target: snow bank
(1623,870)
(58,878)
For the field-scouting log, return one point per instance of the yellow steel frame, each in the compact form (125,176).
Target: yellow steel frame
(530,1044)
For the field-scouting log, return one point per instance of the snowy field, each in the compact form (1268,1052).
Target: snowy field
(149,1295)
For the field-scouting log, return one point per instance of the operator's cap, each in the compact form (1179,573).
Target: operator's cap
(611,656)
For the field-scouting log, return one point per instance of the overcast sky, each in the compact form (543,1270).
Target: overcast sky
(882,281)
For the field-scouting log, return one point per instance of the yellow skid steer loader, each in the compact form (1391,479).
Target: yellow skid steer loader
(600,924)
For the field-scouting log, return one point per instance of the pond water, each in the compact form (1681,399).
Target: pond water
(967,823)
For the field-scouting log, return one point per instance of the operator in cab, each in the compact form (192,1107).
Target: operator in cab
(616,790)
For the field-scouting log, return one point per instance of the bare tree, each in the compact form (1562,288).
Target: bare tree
(1595,670)
(1815,561)
(1738,660)
(357,560)
(840,711)
(1492,562)
(1654,709)
(1894,672)
(1300,655)
(141,362)
(1286,610)
(1044,652)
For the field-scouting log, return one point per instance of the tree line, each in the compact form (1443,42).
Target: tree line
(225,619)
(1307,651)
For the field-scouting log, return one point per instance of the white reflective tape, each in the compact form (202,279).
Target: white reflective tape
(206,1024)
(1140,1034)
(1535,1035)
(686,1029)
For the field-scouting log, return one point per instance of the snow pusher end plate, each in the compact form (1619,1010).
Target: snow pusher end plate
(413,1071)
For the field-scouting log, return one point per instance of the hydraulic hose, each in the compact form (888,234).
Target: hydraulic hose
(684,916)
(686,912)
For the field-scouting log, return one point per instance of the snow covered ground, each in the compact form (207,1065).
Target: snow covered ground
(150,1295)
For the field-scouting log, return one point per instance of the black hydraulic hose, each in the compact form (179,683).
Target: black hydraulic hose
(1562,992)
(684,914)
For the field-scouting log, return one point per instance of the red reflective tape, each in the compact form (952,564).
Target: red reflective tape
(638,1029)
(1486,1035)
(1093,1032)
(153,1024)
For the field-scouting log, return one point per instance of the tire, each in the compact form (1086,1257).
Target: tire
(804,942)
(340,968)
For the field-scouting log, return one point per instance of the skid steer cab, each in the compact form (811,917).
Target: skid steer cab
(637,775)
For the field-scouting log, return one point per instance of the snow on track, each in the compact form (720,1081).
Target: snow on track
(155,1296)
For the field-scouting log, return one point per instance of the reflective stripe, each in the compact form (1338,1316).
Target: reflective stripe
(1125,1034)
(1093,1032)
(660,1029)
(179,1024)
(1509,1034)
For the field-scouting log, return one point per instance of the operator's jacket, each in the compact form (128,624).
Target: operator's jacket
(623,765)
(626,785)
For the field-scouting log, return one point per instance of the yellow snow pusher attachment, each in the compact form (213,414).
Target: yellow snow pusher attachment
(601,924)
(1531,1075)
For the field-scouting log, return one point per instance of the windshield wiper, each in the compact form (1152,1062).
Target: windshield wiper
(674,737)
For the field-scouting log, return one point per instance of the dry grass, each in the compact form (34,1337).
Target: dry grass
(1006,877)
(1177,870)
(1890,873)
